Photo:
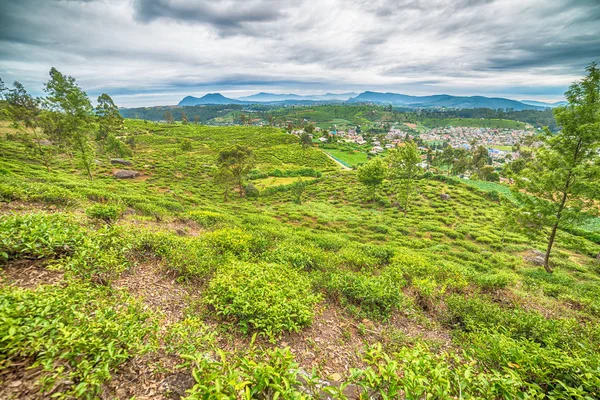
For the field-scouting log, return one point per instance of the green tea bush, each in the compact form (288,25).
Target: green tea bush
(104,212)
(38,236)
(256,374)
(207,219)
(77,334)
(267,298)
(375,297)
(229,240)
(101,256)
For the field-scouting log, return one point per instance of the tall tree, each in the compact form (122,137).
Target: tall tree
(24,110)
(372,174)
(71,111)
(109,118)
(479,159)
(235,164)
(562,179)
(403,163)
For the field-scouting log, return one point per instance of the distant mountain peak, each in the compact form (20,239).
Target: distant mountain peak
(209,98)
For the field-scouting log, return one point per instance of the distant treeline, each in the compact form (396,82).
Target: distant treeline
(537,118)
(356,114)
(201,114)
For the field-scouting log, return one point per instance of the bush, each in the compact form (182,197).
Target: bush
(251,191)
(269,374)
(375,297)
(106,213)
(38,236)
(206,219)
(267,298)
(186,145)
(77,334)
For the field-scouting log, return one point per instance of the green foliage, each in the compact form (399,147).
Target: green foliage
(267,298)
(77,334)
(562,178)
(269,374)
(38,236)
(186,145)
(372,297)
(104,212)
(372,174)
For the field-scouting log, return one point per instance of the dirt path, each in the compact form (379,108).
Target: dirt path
(344,167)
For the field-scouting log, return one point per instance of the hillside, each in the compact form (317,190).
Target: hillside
(185,294)
(442,100)
(210,98)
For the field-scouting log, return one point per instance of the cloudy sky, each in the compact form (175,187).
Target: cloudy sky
(153,52)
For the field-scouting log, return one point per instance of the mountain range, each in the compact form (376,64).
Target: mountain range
(396,99)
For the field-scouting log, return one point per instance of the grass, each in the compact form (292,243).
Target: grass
(245,293)
(352,158)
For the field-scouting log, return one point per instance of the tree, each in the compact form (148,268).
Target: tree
(109,118)
(403,163)
(372,174)
(184,118)
(238,161)
(305,140)
(168,116)
(224,178)
(297,189)
(70,115)
(24,110)
(196,119)
(479,159)
(562,179)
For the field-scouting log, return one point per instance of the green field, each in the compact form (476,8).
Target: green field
(352,158)
(158,286)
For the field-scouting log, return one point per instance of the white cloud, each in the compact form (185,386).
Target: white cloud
(145,52)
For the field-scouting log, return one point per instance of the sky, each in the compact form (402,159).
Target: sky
(155,52)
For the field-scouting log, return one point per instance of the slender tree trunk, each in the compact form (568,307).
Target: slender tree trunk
(555,227)
(549,249)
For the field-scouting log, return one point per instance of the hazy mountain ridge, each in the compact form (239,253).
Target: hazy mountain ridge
(396,99)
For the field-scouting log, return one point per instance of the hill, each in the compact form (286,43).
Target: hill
(396,99)
(543,104)
(210,98)
(272,97)
(111,287)
(442,100)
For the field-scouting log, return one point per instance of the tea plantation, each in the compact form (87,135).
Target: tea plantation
(156,287)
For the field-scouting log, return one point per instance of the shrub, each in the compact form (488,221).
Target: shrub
(38,236)
(106,213)
(268,374)
(77,334)
(375,297)
(251,191)
(267,298)
(206,219)
(186,145)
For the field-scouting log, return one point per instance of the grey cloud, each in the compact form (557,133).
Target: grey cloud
(228,16)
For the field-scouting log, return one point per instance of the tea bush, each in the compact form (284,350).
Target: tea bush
(107,213)
(255,374)
(38,236)
(373,297)
(267,298)
(77,334)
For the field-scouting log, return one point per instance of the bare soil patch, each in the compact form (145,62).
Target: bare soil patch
(149,377)
(19,381)
(29,274)
(157,288)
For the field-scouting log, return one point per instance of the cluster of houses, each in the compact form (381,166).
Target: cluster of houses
(464,136)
